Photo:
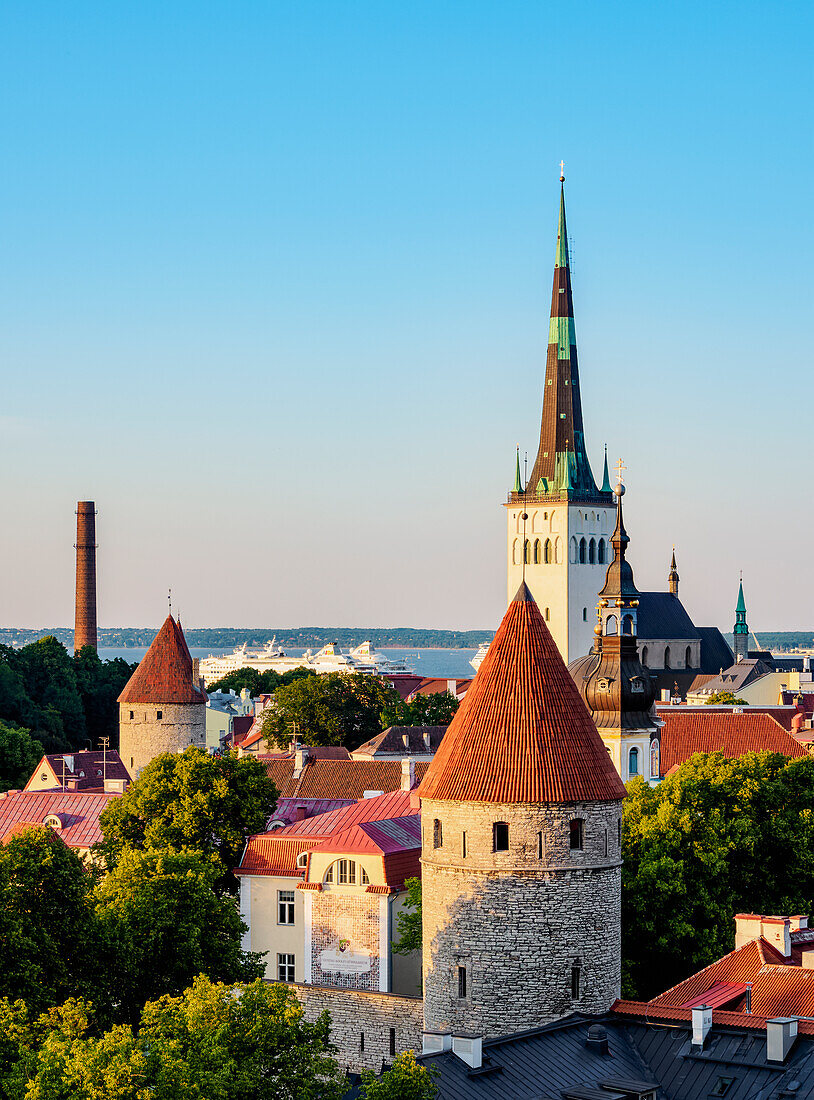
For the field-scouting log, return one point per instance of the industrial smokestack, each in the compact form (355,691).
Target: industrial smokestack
(85,625)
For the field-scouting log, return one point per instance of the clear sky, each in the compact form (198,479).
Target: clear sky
(274,286)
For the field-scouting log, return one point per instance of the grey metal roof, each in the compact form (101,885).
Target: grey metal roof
(554,1060)
(662,616)
(715,651)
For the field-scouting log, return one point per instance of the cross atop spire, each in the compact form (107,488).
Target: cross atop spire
(562,443)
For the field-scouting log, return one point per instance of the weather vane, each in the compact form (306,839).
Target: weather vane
(620,466)
(169,599)
(562,171)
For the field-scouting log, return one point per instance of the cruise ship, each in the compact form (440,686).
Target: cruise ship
(364,658)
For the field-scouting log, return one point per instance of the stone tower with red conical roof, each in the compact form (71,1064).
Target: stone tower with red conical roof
(521,836)
(162,708)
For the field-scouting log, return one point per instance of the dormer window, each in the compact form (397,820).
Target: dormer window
(53,821)
(302,859)
(636,684)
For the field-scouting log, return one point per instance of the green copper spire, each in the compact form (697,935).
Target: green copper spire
(740,607)
(606,485)
(561,251)
(518,484)
(741,630)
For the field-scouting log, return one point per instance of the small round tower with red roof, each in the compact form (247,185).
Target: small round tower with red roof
(162,708)
(521,836)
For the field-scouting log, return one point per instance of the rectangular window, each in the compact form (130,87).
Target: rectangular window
(463,845)
(461,981)
(285,968)
(159,714)
(575,983)
(500,836)
(539,845)
(362,1042)
(392,1040)
(576,838)
(343,872)
(131,715)
(285,906)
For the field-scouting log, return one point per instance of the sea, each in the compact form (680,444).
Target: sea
(450,664)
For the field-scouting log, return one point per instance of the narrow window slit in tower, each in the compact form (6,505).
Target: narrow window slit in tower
(463,845)
(539,845)
(461,981)
(575,982)
(392,1040)
(362,1042)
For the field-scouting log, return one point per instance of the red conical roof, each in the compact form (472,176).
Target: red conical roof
(165,672)
(522,733)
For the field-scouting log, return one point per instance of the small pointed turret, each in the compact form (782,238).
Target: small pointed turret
(619,577)
(518,484)
(672,577)
(741,630)
(606,485)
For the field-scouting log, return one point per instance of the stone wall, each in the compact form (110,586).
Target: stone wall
(519,921)
(145,735)
(355,1013)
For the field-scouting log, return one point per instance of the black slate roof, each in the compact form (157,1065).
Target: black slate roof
(661,615)
(549,1062)
(715,651)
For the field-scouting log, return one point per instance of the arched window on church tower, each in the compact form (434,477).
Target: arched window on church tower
(627,624)
(574,551)
(667,656)
(514,553)
(527,552)
(612,625)
(644,656)
(688,658)
(633,762)
(592,552)
(548,552)
(583,551)
(558,550)
(601,555)
(547,614)
(536,551)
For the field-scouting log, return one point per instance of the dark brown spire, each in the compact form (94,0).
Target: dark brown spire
(561,466)
(672,578)
(619,577)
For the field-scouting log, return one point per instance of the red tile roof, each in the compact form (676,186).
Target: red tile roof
(647,1011)
(79,811)
(688,732)
(522,733)
(165,672)
(337,779)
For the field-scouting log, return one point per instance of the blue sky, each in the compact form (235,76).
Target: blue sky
(274,284)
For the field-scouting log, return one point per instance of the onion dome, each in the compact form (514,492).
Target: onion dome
(522,733)
(164,674)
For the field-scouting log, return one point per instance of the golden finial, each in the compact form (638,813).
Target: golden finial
(562,171)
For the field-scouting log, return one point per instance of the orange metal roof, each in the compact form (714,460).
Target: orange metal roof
(733,734)
(646,1010)
(271,854)
(522,733)
(165,672)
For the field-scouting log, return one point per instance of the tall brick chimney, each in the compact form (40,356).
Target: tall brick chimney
(85,625)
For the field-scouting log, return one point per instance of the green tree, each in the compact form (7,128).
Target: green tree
(165,924)
(19,756)
(437,709)
(334,709)
(259,683)
(216,1042)
(100,683)
(49,939)
(717,837)
(405,1080)
(408,922)
(50,682)
(724,698)
(191,800)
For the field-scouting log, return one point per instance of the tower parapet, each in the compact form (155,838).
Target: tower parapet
(521,821)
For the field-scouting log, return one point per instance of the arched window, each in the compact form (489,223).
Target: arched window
(601,555)
(592,552)
(612,625)
(558,550)
(576,835)
(585,614)
(627,624)
(536,551)
(437,834)
(545,515)
(574,551)
(500,836)
(527,552)
(644,656)
(344,872)
(548,614)
(548,552)
(583,551)
(655,762)
(688,658)
(514,553)
(633,762)
(667,656)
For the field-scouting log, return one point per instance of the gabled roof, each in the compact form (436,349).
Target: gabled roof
(662,616)
(391,741)
(733,734)
(89,768)
(164,674)
(375,837)
(381,807)
(522,733)
(273,854)
(715,651)
(78,810)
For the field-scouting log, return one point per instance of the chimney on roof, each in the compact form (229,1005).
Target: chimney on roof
(300,813)
(469,1048)
(798,922)
(701,1024)
(747,1002)
(781,1034)
(300,760)
(435,1042)
(427,740)
(115,786)
(597,1039)
(405,740)
(407,774)
(775,930)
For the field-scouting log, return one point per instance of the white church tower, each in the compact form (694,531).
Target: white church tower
(565,535)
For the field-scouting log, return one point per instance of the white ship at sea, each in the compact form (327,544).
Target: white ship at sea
(477,660)
(271,656)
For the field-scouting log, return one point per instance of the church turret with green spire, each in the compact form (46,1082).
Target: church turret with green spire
(741,631)
(564,542)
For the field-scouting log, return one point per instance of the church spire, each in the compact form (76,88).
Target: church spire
(606,485)
(518,484)
(672,576)
(562,442)
(619,577)
(741,631)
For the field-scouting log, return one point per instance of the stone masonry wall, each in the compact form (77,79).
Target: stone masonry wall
(357,1012)
(517,921)
(145,735)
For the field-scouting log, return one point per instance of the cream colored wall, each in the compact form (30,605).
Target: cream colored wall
(321,861)
(764,692)
(619,746)
(266,933)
